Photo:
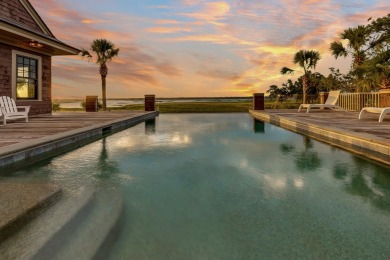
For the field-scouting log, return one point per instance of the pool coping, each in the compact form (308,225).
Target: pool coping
(34,150)
(366,145)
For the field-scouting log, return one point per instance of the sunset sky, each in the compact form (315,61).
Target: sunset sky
(184,48)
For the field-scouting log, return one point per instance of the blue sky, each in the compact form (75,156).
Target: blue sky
(196,48)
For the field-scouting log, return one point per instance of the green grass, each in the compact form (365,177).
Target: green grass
(204,107)
(199,107)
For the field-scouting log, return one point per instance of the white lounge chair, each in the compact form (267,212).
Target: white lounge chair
(378,110)
(330,102)
(9,110)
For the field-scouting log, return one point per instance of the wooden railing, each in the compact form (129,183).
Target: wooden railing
(356,101)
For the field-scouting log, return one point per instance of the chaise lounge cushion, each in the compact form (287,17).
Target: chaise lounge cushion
(330,102)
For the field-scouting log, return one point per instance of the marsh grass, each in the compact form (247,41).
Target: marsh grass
(200,107)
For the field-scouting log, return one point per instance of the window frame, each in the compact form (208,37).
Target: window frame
(15,54)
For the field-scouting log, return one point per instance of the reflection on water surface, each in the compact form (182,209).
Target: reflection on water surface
(225,186)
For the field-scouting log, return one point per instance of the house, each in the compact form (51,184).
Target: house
(26,48)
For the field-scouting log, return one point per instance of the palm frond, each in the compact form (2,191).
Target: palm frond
(307,59)
(286,71)
(357,37)
(104,49)
(85,53)
(338,49)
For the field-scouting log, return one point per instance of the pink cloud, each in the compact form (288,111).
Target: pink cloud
(240,45)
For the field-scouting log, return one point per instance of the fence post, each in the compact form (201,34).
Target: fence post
(384,98)
(361,102)
(323,97)
(258,101)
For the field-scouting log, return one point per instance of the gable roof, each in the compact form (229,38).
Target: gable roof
(37,18)
(21,31)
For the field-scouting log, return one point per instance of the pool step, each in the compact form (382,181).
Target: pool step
(45,232)
(23,202)
(98,231)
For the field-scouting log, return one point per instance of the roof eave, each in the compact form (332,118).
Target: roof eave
(20,37)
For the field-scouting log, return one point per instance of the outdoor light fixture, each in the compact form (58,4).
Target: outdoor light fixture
(35,44)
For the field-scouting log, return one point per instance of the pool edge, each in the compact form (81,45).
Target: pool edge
(38,149)
(362,144)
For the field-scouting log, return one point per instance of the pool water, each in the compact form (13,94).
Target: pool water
(225,186)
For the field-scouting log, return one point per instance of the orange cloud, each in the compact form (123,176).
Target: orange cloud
(92,21)
(211,11)
(168,29)
(213,38)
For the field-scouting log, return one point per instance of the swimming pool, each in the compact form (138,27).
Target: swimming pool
(225,186)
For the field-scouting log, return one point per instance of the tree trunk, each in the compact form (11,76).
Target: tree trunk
(104,92)
(103,72)
(305,83)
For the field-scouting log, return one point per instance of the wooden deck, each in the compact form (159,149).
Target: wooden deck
(43,136)
(366,137)
(340,120)
(16,132)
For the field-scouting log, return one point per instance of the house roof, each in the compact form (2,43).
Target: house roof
(17,33)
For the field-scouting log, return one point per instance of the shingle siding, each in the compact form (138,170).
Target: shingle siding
(37,107)
(14,10)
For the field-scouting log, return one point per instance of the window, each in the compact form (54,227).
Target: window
(27,78)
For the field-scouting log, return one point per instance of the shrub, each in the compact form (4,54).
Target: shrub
(55,106)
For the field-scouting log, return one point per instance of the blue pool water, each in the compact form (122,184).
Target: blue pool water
(224,186)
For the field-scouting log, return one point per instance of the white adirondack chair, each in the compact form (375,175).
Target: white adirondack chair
(9,110)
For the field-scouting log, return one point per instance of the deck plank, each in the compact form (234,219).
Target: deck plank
(342,120)
(366,136)
(18,131)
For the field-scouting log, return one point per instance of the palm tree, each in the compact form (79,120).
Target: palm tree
(377,70)
(356,47)
(305,59)
(104,51)
(378,67)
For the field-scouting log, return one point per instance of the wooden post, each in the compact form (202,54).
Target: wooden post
(150,102)
(91,103)
(258,101)
(384,98)
(323,97)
